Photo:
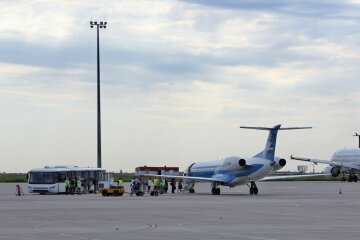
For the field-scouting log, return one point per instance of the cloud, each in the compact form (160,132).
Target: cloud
(175,68)
(308,8)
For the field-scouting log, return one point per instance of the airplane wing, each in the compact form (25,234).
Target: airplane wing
(195,179)
(331,163)
(269,178)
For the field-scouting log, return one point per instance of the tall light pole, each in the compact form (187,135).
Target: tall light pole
(357,135)
(98,25)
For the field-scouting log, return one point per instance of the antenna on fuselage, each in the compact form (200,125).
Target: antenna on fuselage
(357,135)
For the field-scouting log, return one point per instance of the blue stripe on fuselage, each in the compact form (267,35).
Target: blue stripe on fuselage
(225,175)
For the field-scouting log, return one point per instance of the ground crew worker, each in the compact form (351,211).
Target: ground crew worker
(72,186)
(156,184)
(120,183)
(78,186)
(166,187)
(180,186)
(173,185)
(149,184)
(67,186)
(162,185)
(96,187)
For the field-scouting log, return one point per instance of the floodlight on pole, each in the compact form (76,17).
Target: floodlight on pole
(357,135)
(101,25)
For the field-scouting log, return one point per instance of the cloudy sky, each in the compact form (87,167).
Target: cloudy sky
(178,78)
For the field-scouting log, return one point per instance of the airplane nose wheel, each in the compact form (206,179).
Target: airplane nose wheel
(253,188)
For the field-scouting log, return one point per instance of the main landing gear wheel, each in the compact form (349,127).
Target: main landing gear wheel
(352,176)
(253,188)
(215,191)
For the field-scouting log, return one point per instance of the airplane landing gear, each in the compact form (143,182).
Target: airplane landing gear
(215,190)
(343,178)
(253,188)
(352,176)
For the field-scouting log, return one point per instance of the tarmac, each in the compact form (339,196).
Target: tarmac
(281,211)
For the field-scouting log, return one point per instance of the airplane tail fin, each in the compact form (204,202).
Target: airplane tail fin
(269,151)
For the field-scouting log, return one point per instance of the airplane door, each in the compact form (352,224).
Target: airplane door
(216,171)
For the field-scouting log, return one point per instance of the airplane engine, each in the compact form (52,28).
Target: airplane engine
(242,162)
(234,163)
(334,171)
(279,163)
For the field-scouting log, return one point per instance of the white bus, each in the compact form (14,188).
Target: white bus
(50,179)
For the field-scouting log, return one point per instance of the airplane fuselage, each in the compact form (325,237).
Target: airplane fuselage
(230,172)
(351,155)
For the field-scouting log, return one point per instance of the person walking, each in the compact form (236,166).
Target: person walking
(156,184)
(72,186)
(90,184)
(166,186)
(120,183)
(67,186)
(144,184)
(95,182)
(162,185)
(132,186)
(86,183)
(149,184)
(78,186)
(180,186)
(173,185)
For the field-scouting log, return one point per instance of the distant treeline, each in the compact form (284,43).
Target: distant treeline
(126,177)
(13,177)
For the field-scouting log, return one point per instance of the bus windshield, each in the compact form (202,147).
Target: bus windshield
(106,176)
(42,177)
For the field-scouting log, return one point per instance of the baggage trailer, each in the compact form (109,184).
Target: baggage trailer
(112,191)
(108,187)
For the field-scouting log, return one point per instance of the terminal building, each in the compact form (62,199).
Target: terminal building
(157,170)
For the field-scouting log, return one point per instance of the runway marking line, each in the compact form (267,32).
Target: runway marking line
(66,235)
(151,226)
(260,238)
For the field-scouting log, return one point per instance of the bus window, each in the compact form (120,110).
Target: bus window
(62,177)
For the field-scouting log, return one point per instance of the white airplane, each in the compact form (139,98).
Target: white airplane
(235,171)
(345,161)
